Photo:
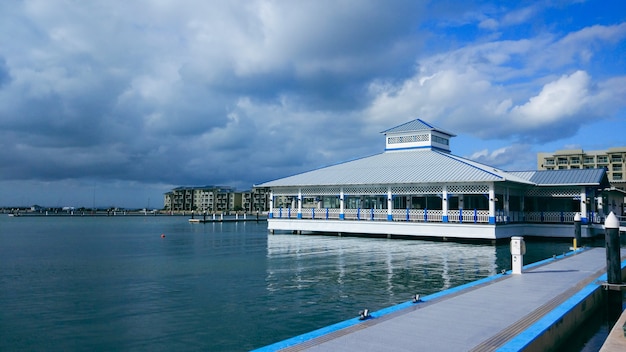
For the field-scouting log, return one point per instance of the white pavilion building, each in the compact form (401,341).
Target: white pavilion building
(417,187)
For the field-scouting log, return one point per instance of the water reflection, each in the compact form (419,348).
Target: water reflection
(342,270)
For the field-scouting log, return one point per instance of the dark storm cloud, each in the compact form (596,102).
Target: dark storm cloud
(5,78)
(99,92)
(241,92)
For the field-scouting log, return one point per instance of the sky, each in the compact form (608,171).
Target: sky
(114,103)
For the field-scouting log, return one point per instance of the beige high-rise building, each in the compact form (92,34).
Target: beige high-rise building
(613,160)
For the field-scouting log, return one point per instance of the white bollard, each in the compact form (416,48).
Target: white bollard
(518,249)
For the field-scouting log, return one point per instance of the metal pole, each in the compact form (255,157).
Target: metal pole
(613,257)
(613,267)
(577,226)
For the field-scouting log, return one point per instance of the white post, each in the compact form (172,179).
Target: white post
(341,205)
(583,205)
(299,203)
(389,205)
(492,204)
(518,249)
(444,204)
(271,214)
(506,204)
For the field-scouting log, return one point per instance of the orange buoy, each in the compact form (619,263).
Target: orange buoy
(162,235)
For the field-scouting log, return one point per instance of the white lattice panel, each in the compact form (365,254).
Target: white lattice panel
(365,190)
(554,192)
(285,192)
(417,190)
(320,191)
(468,189)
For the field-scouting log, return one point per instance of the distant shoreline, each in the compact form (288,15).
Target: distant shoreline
(104,213)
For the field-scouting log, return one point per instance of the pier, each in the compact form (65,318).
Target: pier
(533,310)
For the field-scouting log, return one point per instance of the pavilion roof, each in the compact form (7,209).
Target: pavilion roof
(415,126)
(567,177)
(400,167)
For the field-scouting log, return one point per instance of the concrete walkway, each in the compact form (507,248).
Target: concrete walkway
(504,312)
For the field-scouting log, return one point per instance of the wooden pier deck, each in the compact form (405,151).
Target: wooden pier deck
(509,312)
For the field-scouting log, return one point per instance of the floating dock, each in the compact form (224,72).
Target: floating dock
(532,311)
(238,218)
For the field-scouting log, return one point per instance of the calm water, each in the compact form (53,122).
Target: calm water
(113,283)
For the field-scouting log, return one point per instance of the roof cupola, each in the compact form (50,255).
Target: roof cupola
(417,134)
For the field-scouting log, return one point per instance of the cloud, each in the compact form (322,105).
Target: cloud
(512,157)
(487,91)
(558,100)
(240,92)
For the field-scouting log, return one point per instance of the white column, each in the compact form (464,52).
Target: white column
(506,203)
(444,203)
(341,205)
(271,214)
(492,204)
(389,205)
(583,206)
(461,200)
(299,203)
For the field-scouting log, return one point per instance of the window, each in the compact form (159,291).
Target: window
(562,161)
(616,158)
(588,160)
(617,176)
(408,139)
(603,159)
(616,167)
(550,162)
(440,140)
(575,160)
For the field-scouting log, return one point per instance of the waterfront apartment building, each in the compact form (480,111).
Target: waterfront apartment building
(216,199)
(613,160)
(256,199)
(202,198)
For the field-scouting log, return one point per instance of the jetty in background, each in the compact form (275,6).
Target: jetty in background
(206,218)
(534,310)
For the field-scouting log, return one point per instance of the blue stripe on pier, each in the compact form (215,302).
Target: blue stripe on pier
(508,312)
